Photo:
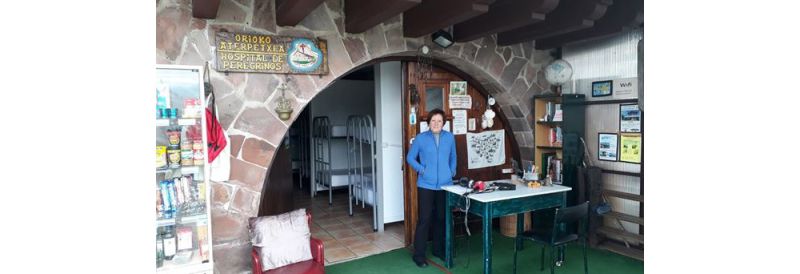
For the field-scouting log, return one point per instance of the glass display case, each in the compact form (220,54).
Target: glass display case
(183,219)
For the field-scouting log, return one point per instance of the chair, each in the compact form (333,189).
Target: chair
(315,265)
(557,238)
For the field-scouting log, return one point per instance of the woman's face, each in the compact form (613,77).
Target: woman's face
(437,122)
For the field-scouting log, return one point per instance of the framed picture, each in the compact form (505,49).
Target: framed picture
(602,88)
(630,150)
(607,146)
(630,118)
(458,88)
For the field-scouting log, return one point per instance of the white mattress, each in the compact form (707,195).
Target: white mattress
(339,177)
(338,131)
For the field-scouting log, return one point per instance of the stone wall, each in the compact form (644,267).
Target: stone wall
(512,74)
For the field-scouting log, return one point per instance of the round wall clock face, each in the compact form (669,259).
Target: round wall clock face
(558,72)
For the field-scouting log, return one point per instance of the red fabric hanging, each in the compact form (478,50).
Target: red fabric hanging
(216,136)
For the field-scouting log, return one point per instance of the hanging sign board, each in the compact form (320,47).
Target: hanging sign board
(239,52)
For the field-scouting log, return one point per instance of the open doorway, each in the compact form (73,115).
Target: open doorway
(346,163)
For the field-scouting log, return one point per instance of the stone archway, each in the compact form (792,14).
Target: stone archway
(512,74)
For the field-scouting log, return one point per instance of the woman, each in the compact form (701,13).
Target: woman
(436,167)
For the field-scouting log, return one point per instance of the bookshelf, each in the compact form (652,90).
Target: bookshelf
(559,138)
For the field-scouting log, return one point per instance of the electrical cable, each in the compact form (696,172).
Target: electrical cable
(466,214)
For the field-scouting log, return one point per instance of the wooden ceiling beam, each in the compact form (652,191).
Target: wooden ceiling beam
(361,15)
(569,16)
(433,15)
(291,12)
(206,9)
(622,15)
(503,15)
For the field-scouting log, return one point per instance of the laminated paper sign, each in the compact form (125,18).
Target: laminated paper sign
(486,149)
(241,52)
(459,121)
(630,148)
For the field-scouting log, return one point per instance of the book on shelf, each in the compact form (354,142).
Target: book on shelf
(558,114)
(555,163)
(555,137)
(547,157)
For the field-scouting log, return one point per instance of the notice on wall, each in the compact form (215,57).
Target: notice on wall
(241,52)
(459,121)
(630,148)
(486,149)
(626,87)
(629,118)
(471,124)
(607,146)
(460,101)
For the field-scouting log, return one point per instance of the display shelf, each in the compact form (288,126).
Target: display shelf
(184,169)
(194,265)
(182,190)
(184,220)
(177,122)
(555,141)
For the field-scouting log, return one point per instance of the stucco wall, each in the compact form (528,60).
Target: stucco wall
(512,74)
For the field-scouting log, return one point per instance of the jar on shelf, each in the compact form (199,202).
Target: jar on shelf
(174,157)
(174,137)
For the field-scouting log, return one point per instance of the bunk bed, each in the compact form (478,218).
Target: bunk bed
(361,139)
(321,142)
(359,174)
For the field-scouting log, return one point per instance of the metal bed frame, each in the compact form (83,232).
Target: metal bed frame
(321,139)
(361,133)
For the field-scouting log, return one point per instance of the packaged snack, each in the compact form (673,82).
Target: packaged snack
(161,156)
(192,108)
(202,241)
(198,157)
(184,238)
(187,157)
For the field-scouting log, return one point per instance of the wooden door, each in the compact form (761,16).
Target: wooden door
(428,91)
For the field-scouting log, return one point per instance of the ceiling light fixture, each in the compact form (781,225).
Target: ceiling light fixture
(442,38)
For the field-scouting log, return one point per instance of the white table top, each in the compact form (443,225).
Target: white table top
(499,195)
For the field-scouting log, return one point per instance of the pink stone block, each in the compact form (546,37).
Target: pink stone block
(257,152)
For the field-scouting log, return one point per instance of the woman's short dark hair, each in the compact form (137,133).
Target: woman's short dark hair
(434,112)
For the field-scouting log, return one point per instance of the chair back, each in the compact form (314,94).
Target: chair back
(569,215)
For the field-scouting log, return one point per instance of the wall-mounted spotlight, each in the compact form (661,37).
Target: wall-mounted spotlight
(442,38)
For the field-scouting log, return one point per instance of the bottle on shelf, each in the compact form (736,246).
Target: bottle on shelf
(159,247)
(170,244)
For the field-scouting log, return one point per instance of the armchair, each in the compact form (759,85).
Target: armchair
(313,266)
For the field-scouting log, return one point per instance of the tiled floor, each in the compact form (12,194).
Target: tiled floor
(347,238)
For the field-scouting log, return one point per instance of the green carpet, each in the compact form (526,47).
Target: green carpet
(468,260)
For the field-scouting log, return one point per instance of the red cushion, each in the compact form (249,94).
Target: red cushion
(309,266)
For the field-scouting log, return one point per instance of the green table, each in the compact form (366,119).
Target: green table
(498,204)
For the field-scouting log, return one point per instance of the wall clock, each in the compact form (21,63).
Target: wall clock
(557,73)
